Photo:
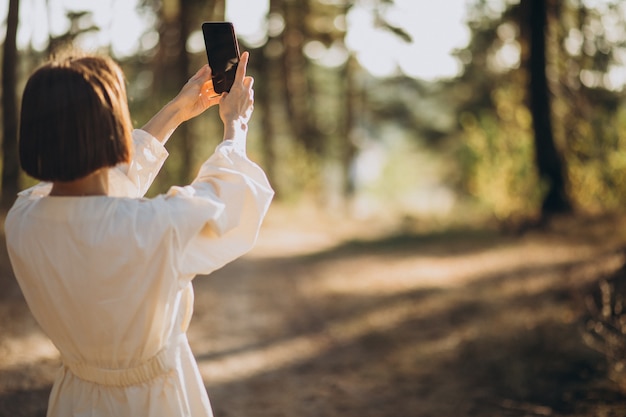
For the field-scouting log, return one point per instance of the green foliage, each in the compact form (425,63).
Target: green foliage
(477,128)
(588,114)
(597,162)
(497,155)
(588,109)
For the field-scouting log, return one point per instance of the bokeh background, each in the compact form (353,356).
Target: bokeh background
(376,106)
(448,233)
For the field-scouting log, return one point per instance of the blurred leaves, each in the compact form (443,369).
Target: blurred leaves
(587,107)
(317,117)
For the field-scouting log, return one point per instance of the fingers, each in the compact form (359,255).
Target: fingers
(246,86)
(237,105)
(248,81)
(207,85)
(202,74)
(207,89)
(210,99)
(241,67)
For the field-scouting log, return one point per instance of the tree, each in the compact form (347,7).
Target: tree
(550,164)
(298,88)
(317,98)
(171,65)
(515,150)
(10,165)
(571,72)
(588,105)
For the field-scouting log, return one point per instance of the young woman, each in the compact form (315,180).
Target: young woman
(106,273)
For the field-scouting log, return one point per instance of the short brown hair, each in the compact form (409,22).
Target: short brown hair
(74,118)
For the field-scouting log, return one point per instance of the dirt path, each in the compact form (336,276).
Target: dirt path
(465,323)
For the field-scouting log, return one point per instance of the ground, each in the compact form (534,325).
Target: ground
(325,318)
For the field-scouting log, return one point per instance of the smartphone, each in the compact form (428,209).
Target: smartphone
(222,51)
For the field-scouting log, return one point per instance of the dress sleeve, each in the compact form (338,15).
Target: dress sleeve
(134,179)
(218,216)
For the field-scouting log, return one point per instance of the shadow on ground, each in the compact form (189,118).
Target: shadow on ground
(461,323)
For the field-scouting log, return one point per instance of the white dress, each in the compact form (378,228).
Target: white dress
(108,278)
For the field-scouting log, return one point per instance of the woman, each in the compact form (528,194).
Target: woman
(107,274)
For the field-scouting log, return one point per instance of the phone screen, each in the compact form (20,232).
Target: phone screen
(222,52)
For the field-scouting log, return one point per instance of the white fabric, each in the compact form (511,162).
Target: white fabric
(109,278)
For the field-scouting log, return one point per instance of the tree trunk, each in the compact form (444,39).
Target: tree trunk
(352,100)
(299,97)
(182,71)
(549,162)
(171,73)
(10,158)
(263,95)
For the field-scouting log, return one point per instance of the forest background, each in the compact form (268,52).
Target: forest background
(441,244)
(531,123)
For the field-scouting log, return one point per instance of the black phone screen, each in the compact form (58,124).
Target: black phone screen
(222,51)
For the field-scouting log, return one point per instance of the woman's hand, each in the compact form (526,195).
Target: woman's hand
(194,98)
(237,105)
(197,95)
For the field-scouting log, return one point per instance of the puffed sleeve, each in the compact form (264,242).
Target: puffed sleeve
(134,179)
(218,216)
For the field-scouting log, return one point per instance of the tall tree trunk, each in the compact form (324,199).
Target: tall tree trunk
(10,165)
(351,99)
(550,163)
(263,95)
(182,74)
(171,73)
(299,97)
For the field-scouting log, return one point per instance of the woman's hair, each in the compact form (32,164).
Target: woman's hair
(74,118)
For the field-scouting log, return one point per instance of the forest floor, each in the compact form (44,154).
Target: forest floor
(328,318)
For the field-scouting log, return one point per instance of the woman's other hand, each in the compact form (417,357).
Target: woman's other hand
(195,97)
(237,105)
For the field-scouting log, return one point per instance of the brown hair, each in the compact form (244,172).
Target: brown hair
(74,118)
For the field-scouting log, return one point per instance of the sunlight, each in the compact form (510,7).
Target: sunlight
(436,29)
(121,25)
(249,19)
(28,349)
(423,271)
(249,363)
(241,363)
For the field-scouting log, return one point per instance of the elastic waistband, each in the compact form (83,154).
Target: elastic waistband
(152,368)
